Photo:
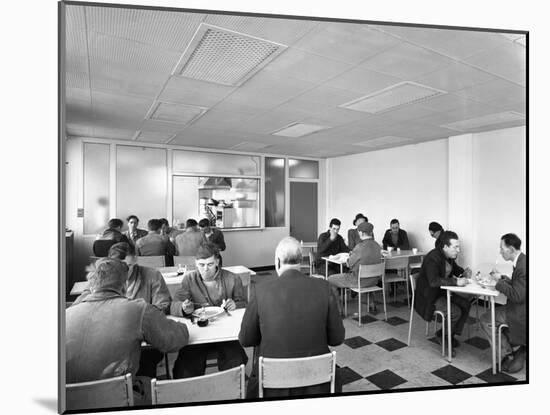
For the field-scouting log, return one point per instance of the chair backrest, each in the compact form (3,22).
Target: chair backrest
(101,247)
(371,271)
(226,385)
(185,260)
(105,393)
(155,261)
(397,263)
(297,372)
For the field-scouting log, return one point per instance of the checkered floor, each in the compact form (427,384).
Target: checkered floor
(375,356)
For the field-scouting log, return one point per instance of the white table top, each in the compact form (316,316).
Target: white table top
(393,254)
(472,288)
(221,329)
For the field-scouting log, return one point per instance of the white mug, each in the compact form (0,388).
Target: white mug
(415,251)
(390,248)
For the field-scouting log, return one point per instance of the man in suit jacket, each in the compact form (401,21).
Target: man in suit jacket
(134,233)
(291,316)
(330,243)
(395,237)
(514,313)
(440,269)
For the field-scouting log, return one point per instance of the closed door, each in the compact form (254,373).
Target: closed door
(303,211)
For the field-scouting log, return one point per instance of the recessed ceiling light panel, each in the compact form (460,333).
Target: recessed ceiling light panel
(383,141)
(299,130)
(397,95)
(485,121)
(225,57)
(248,146)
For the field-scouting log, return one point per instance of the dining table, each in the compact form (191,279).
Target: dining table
(473,288)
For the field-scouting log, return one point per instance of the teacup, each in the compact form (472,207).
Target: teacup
(415,251)
(390,248)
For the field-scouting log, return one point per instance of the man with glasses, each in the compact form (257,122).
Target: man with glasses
(209,285)
(440,269)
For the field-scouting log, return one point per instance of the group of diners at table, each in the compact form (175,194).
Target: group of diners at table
(291,316)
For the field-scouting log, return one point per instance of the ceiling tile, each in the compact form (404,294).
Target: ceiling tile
(362,81)
(454,77)
(223,120)
(506,60)
(119,111)
(406,61)
(76,56)
(494,90)
(347,42)
(194,92)
(306,66)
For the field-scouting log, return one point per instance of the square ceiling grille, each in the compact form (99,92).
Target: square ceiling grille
(383,141)
(485,121)
(226,57)
(175,113)
(397,95)
(299,130)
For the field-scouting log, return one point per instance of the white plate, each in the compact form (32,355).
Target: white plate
(209,312)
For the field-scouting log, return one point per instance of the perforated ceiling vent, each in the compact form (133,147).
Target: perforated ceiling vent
(224,56)
(299,130)
(485,121)
(392,97)
(383,141)
(176,113)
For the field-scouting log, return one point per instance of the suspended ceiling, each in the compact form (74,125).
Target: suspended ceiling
(236,82)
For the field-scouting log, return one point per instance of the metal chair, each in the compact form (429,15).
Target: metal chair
(101,247)
(437,313)
(312,267)
(226,385)
(156,261)
(105,393)
(499,346)
(402,266)
(375,271)
(297,372)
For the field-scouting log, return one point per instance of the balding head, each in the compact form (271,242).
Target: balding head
(288,254)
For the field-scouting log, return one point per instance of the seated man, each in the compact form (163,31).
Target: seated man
(514,313)
(214,286)
(145,283)
(435,230)
(188,242)
(118,325)
(213,235)
(366,252)
(153,244)
(168,232)
(353,234)
(111,235)
(395,237)
(440,269)
(134,233)
(330,243)
(291,316)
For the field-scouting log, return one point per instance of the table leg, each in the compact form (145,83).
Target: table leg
(493,343)
(341,268)
(326,269)
(449,334)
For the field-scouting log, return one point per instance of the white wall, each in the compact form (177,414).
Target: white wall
(474,184)
(408,183)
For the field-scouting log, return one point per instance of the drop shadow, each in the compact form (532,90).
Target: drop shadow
(48,403)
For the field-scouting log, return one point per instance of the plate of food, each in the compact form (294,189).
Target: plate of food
(208,312)
(487,282)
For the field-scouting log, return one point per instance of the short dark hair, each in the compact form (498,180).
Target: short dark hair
(394,221)
(129,218)
(511,239)
(115,223)
(154,225)
(445,238)
(206,250)
(334,221)
(121,250)
(190,223)
(164,221)
(435,227)
(204,223)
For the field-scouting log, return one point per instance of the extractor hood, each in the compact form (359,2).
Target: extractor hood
(217,183)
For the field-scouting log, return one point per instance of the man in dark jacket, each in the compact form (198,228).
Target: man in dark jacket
(330,243)
(118,325)
(153,243)
(289,317)
(134,233)
(435,230)
(440,269)
(514,313)
(111,235)
(213,235)
(395,237)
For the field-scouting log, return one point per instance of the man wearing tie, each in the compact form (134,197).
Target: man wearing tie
(513,314)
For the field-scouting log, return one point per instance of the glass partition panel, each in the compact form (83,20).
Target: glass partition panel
(96,187)
(227,202)
(215,163)
(303,169)
(274,192)
(141,183)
